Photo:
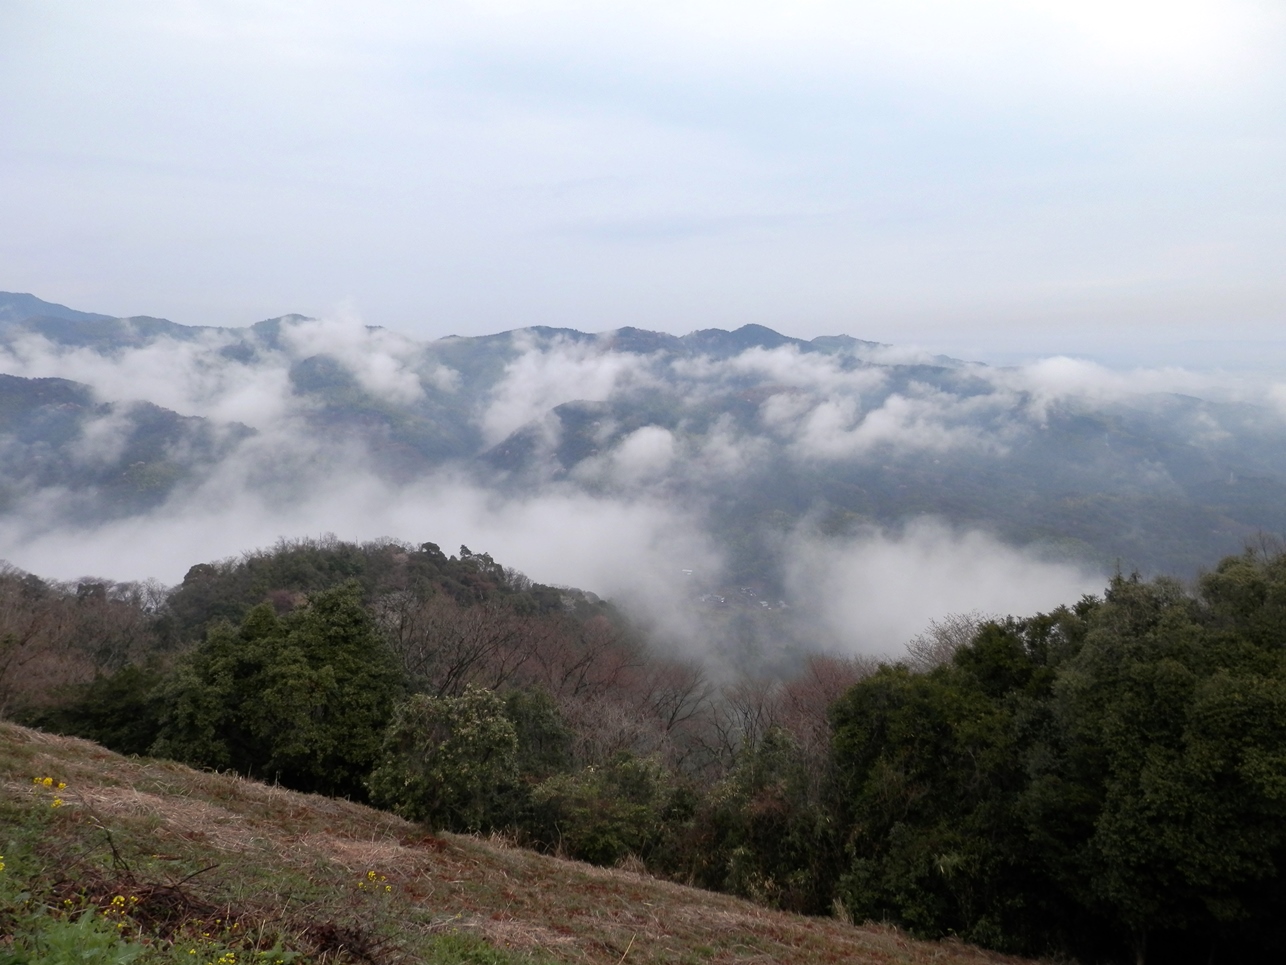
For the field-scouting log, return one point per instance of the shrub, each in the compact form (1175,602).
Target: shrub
(447,760)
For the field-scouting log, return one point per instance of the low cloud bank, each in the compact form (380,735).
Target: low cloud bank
(632,549)
(866,594)
(631,514)
(875,590)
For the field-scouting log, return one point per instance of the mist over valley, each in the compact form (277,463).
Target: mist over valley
(733,489)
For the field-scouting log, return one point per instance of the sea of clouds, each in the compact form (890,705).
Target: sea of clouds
(625,522)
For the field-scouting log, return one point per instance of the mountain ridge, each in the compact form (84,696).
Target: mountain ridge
(90,329)
(760,441)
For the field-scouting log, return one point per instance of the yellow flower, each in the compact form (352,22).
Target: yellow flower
(56,802)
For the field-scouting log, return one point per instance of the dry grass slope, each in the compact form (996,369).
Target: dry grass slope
(303,865)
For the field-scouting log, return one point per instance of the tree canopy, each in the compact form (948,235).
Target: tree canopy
(303,699)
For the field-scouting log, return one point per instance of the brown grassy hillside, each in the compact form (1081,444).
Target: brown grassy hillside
(196,859)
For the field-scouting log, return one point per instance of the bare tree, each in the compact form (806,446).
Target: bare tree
(940,640)
(673,693)
(576,659)
(444,647)
(54,635)
(804,703)
(739,715)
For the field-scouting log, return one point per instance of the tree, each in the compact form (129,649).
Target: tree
(765,830)
(447,760)
(1106,780)
(932,767)
(940,640)
(605,813)
(1162,791)
(444,647)
(302,699)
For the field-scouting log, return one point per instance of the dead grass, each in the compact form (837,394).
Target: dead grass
(300,857)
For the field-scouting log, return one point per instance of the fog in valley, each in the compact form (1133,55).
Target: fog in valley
(629,464)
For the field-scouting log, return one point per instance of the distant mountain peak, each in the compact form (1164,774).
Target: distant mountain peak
(20,306)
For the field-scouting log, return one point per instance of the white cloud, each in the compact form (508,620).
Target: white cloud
(1059,378)
(629,549)
(875,591)
(615,526)
(103,437)
(922,419)
(188,377)
(384,363)
(644,455)
(723,454)
(1277,396)
(781,412)
(545,376)
(785,366)
(1051,42)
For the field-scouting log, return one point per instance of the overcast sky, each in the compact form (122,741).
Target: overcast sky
(994,178)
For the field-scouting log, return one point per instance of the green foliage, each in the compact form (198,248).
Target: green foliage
(1108,780)
(456,948)
(84,940)
(302,699)
(764,832)
(447,760)
(606,813)
(121,711)
(228,590)
(1169,737)
(925,764)
(544,739)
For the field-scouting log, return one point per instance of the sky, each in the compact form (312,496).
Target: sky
(997,179)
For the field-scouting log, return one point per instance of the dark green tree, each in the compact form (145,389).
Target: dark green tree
(1161,796)
(448,761)
(766,831)
(931,768)
(605,813)
(303,699)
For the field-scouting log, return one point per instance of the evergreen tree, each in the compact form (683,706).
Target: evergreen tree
(302,699)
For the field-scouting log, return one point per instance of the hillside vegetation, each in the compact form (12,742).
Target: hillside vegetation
(150,861)
(1106,780)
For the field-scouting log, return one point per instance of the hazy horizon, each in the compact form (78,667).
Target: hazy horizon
(992,180)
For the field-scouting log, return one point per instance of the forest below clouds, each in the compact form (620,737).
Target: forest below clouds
(1101,780)
(870,489)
